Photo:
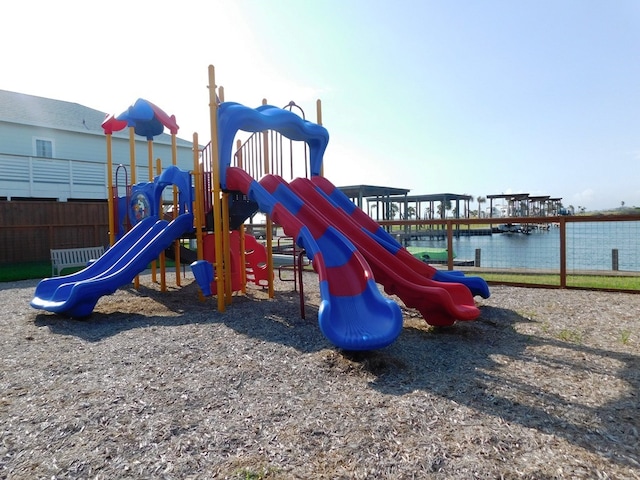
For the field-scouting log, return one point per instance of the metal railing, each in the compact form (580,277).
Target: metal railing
(594,252)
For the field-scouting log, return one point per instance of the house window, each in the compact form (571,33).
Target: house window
(43,148)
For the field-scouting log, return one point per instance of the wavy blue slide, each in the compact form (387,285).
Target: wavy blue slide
(353,314)
(476,285)
(76,295)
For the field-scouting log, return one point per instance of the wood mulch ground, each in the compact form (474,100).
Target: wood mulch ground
(544,385)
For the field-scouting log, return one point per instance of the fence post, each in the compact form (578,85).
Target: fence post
(563,252)
(449,245)
(614,260)
(476,262)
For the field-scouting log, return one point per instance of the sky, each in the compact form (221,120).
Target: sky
(436,96)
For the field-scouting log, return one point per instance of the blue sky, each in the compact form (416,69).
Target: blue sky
(474,97)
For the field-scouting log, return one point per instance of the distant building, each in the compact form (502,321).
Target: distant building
(56,150)
(523,205)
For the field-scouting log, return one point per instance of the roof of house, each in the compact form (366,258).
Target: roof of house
(44,112)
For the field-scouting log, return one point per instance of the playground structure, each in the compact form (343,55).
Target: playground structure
(348,250)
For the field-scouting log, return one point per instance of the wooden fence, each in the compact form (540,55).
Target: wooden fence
(29,229)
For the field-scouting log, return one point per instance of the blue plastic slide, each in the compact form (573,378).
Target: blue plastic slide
(440,303)
(353,314)
(476,285)
(76,295)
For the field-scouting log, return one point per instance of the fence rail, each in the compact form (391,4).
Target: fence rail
(595,252)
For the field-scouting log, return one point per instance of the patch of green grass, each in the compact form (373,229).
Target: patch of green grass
(570,336)
(582,281)
(250,474)
(589,281)
(625,336)
(12,272)
(540,279)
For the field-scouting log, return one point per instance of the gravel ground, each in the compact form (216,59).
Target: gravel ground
(544,385)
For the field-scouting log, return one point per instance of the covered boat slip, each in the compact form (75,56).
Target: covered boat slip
(378,199)
(388,204)
(384,203)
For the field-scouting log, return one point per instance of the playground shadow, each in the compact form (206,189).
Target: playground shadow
(277,320)
(112,317)
(469,365)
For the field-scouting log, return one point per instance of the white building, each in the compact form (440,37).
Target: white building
(56,150)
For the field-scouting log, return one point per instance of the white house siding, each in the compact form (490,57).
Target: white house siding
(33,177)
(16,139)
(120,154)
(15,176)
(78,169)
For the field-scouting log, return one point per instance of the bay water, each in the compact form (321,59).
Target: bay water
(589,247)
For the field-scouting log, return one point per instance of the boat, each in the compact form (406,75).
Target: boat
(509,228)
(514,228)
(430,254)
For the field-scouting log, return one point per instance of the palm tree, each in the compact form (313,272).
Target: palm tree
(444,207)
(480,201)
(467,204)
(372,207)
(393,210)
(447,205)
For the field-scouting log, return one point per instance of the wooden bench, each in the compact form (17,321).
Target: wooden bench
(62,258)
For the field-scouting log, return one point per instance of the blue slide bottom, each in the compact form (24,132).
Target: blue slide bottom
(76,295)
(353,314)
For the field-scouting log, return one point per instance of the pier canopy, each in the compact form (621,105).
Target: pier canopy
(380,203)
(523,205)
(437,205)
(378,199)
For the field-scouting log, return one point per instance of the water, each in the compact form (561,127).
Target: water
(589,247)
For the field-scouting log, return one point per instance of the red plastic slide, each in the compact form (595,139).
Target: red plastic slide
(440,303)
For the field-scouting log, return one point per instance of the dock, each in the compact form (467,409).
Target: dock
(438,233)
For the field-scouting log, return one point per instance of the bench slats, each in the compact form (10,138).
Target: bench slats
(62,258)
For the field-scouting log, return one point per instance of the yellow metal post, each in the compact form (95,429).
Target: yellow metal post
(163,263)
(150,155)
(216,190)
(132,164)
(319,122)
(241,230)
(174,162)
(226,241)
(199,200)
(269,221)
(198,204)
(226,237)
(112,223)
(226,234)
(132,154)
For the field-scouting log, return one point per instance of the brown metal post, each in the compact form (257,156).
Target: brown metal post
(563,253)
(302,313)
(449,245)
